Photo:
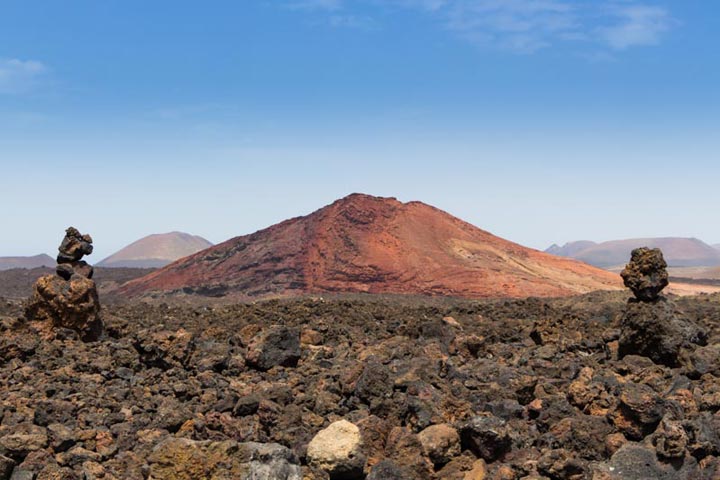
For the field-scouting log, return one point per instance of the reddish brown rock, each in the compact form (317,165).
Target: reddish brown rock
(670,439)
(404,448)
(69,304)
(639,411)
(478,471)
(70,299)
(440,443)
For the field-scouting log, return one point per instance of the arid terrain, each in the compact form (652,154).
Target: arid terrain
(304,240)
(191,372)
(436,389)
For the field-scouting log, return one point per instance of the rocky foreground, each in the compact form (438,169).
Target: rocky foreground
(377,388)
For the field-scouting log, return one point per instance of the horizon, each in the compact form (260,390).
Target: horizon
(540,122)
(105,256)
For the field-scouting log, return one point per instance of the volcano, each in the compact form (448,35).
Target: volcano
(371,244)
(156,250)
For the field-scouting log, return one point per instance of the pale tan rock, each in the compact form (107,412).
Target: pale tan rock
(337,449)
(452,322)
(311,337)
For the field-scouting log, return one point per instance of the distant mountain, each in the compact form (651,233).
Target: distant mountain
(717,245)
(367,244)
(7,263)
(157,250)
(678,252)
(570,249)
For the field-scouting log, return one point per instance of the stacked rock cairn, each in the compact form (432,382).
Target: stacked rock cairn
(651,326)
(69,299)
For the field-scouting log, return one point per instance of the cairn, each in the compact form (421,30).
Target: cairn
(69,299)
(651,326)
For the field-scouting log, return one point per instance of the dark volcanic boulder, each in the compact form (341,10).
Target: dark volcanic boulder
(67,270)
(670,439)
(639,411)
(655,330)
(638,462)
(704,360)
(6,467)
(561,464)
(275,346)
(646,274)
(374,382)
(74,246)
(67,304)
(388,470)
(165,349)
(487,437)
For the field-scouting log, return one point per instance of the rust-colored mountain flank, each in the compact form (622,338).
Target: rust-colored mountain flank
(375,245)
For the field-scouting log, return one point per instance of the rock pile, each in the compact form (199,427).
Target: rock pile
(69,300)
(651,325)
(646,274)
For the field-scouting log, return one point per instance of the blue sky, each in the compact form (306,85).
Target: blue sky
(540,120)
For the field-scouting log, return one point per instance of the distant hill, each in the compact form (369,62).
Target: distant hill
(717,245)
(155,251)
(678,252)
(570,249)
(43,260)
(366,244)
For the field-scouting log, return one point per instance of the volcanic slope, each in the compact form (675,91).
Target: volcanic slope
(156,250)
(370,244)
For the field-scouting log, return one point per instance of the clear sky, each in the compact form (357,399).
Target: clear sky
(541,121)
